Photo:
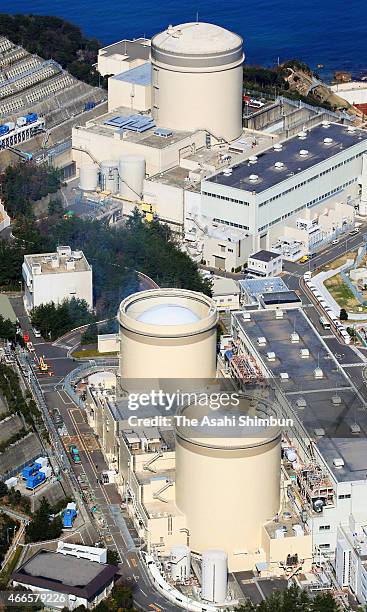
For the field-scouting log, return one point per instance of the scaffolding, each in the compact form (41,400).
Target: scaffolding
(245,369)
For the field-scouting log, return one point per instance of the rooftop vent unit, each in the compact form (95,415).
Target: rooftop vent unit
(253,178)
(294,338)
(284,376)
(227,171)
(351,129)
(328,141)
(336,400)
(326,124)
(36,268)
(261,341)
(279,165)
(301,402)
(252,159)
(304,353)
(319,432)
(302,135)
(246,316)
(338,462)
(55,262)
(318,373)
(279,314)
(163,133)
(270,356)
(278,146)
(303,153)
(355,428)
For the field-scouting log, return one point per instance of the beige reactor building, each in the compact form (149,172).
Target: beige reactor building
(200,488)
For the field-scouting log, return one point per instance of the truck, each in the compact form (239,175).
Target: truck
(31,118)
(74,453)
(4,129)
(69,515)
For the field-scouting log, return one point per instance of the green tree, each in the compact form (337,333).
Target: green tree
(42,527)
(343,315)
(54,320)
(113,558)
(293,599)
(3,489)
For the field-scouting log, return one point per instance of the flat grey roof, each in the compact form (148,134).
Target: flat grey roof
(294,163)
(255,287)
(332,402)
(141,75)
(65,573)
(134,49)
(265,255)
(281,297)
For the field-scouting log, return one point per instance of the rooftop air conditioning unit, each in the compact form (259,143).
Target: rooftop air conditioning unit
(303,153)
(278,146)
(355,428)
(319,432)
(253,178)
(279,314)
(294,338)
(252,159)
(326,124)
(270,356)
(284,376)
(318,373)
(338,462)
(302,135)
(301,402)
(279,165)
(246,316)
(304,353)
(328,141)
(261,341)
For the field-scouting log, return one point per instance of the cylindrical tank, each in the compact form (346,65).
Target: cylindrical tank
(168,333)
(214,573)
(228,477)
(110,176)
(180,560)
(88,177)
(197,79)
(131,176)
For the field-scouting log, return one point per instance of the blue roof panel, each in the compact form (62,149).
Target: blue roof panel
(141,75)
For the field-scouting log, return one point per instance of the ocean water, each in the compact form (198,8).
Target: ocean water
(328,32)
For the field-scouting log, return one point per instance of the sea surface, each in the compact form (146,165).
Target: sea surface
(328,32)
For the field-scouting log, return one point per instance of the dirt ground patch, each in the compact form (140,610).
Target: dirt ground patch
(343,295)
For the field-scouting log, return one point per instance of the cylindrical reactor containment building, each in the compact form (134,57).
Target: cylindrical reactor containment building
(167,333)
(228,480)
(197,79)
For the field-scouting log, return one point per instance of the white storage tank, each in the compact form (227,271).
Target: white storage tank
(88,177)
(180,560)
(167,333)
(197,79)
(110,176)
(131,176)
(214,575)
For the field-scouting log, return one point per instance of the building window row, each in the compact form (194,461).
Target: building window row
(324,528)
(313,178)
(222,197)
(245,227)
(309,204)
(344,496)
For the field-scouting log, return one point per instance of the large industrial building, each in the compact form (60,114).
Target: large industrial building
(227,191)
(55,277)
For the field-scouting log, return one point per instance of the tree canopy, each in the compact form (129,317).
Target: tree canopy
(42,527)
(293,599)
(23,184)
(54,320)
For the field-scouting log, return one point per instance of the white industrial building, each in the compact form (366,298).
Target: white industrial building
(226,293)
(72,576)
(55,277)
(123,56)
(265,264)
(175,103)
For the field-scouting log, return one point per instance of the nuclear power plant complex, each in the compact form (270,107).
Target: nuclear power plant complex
(216,440)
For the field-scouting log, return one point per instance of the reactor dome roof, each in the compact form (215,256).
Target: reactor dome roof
(196,38)
(168,314)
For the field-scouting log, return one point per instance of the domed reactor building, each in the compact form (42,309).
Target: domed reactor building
(197,79)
